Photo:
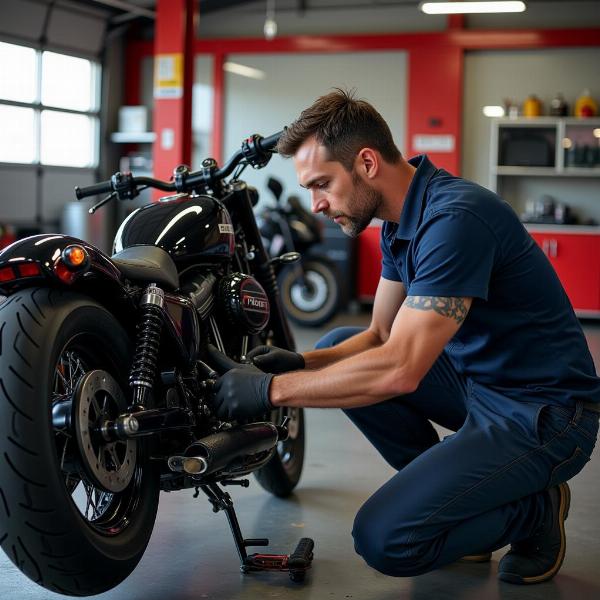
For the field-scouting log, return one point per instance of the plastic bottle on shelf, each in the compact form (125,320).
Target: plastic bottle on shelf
(558,106)
(585,106)
(532,107)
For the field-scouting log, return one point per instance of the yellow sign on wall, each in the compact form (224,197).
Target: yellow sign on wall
(168,76)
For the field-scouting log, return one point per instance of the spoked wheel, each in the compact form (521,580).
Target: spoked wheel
(313,300)
(76,509)
(282,473)
(97,472)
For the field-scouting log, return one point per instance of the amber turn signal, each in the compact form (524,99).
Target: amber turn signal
(75,257)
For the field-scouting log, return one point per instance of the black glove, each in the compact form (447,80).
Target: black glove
(242,393)
(271,359)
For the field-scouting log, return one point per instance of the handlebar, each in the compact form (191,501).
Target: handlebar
(255,150)
(93,190)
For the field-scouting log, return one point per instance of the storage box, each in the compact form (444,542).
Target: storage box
(133,119)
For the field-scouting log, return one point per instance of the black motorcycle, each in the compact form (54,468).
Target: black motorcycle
(309,288)
(106,371)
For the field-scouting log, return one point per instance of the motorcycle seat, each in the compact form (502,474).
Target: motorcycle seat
(147,263)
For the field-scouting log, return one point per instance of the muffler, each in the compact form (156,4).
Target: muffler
(219,450)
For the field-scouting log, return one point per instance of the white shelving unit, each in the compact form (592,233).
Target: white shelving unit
(575,185)
(561,127)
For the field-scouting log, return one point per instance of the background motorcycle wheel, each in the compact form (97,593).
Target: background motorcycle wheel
(316,302)
(282,473)
(55,525)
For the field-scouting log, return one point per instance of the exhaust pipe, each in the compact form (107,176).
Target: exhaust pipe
(217,451)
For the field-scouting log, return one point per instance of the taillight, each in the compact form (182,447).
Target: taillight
(7,274)
(19,270)
(31,269)
(63,273)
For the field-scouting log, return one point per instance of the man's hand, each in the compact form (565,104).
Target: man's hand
(271,359)
(242,393)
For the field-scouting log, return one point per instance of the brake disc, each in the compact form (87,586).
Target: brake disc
(98,400)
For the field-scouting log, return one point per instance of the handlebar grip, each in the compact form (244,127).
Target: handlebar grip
(93,190)
(267,144)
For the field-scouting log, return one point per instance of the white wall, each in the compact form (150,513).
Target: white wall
(292,83)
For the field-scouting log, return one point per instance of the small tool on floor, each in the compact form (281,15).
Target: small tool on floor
(296,564)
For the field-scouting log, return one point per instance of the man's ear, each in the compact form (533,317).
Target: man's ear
(367,163)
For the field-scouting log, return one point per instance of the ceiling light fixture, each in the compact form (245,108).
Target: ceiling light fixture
(244,71)
(270,26)
(453,8)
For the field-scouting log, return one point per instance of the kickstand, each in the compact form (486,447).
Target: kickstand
(296,563)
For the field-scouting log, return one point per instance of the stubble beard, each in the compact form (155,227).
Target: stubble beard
(362,206)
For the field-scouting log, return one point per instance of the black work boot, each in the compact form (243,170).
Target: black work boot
(539,557)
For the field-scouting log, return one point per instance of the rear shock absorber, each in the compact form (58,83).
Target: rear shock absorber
(143,369)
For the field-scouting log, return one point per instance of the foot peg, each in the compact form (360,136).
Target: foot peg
(296,563)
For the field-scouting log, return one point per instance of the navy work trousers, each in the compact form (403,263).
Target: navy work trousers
(478,489)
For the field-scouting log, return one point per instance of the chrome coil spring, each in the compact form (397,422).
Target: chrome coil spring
(143,369)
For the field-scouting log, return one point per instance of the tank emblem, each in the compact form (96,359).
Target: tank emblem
(255,303)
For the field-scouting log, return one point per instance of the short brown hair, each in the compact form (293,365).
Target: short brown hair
(343,125)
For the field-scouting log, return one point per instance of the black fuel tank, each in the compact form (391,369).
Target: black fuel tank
(187,227)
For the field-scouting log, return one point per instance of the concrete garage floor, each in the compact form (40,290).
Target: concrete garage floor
(191,555)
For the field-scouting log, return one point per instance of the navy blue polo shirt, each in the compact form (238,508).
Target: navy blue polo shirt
(521,336)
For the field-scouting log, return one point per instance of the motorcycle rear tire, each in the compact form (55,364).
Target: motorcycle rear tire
(282,473)
(42,530)
(318,304)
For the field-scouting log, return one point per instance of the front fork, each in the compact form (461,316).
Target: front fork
(286,231)
(240,205)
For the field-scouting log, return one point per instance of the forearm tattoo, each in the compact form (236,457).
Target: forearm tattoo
(453,308)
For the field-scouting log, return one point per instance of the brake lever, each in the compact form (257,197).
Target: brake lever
(102,202)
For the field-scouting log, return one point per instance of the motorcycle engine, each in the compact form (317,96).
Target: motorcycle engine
(244,302)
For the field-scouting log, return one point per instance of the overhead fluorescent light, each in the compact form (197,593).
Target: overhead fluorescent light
(244,71)
(493,111)
(453,8)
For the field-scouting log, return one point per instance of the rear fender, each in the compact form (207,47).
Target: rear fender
(100,278)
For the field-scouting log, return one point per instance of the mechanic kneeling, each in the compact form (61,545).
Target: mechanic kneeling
(471,329)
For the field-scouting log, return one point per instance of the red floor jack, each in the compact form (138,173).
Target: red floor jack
(296,563)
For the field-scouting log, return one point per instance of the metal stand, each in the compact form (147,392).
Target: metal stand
(296,563)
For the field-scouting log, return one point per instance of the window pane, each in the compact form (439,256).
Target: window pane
(67,139)
(17,73)
(67,82)
(16,134)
